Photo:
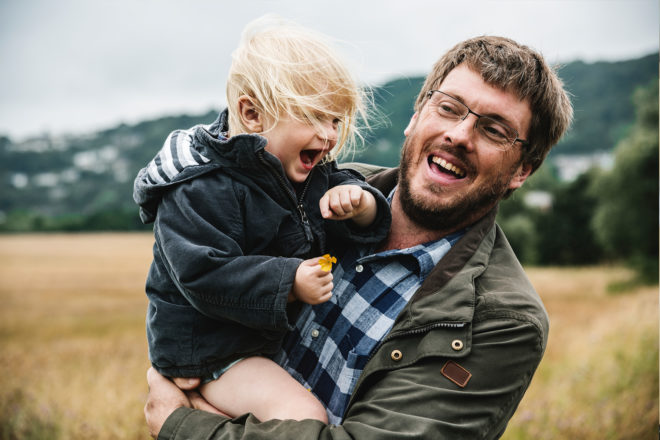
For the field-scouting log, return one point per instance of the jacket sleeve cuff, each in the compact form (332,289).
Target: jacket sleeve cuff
(185,421)
(376,232)
(285,286)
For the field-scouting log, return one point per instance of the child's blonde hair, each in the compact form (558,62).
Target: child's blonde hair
(286,69)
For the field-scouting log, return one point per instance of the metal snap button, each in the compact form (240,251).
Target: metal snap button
(457,344)
(315,333)
(359,268)
(396,355)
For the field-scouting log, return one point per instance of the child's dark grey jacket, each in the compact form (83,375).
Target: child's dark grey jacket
(230,232)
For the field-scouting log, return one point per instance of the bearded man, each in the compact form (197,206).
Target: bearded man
(436,332)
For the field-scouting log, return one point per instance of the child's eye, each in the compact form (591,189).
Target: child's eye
(318,117)
(323,118)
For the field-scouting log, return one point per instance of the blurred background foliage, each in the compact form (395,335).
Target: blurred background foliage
(594,200)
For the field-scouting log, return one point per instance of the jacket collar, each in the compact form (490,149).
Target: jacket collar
(242,150)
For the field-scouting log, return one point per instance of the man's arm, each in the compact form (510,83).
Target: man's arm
(415,400)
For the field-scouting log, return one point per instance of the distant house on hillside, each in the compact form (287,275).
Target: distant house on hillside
(570,166)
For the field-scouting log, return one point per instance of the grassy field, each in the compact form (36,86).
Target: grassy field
(74,359)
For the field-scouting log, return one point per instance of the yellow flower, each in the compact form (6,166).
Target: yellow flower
(326,262)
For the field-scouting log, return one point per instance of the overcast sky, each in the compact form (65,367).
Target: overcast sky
(81,65)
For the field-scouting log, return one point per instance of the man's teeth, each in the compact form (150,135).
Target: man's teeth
(449,167)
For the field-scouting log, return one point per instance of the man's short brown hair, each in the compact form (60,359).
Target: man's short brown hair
(510,66)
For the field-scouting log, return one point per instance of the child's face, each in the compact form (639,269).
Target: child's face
(300,146)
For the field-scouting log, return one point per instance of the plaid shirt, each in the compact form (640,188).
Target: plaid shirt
(332,342)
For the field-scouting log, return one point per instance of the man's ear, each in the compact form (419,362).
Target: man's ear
(521,174)
(249,114)
(406,132)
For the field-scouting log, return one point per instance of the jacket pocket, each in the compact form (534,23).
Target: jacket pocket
(448,340)
(169,333)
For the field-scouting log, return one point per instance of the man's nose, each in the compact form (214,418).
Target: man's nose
(462,132)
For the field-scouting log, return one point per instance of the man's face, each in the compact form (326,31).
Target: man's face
(449,177)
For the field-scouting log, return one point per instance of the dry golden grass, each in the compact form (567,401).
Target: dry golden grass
(599,377)
(74,356)
(72,334)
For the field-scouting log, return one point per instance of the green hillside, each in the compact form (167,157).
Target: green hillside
(84,182)
(602,100)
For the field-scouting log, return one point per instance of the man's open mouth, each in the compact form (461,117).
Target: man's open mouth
(440,165)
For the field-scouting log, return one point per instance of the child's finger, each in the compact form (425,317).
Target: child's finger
(345,200)
(326,288)
(312,262)
(356,196)
(335,203)
(320,275)
(324,206)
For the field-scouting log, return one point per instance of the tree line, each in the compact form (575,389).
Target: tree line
(603,215)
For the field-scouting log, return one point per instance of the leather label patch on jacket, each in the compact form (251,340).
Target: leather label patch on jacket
(457,374)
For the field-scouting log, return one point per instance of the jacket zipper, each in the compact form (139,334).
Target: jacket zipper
(296,201)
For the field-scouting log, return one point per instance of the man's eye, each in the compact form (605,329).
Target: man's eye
(448,108)
(494,131)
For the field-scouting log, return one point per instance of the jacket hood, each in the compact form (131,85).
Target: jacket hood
(187,154)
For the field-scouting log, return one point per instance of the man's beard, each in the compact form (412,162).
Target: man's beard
(461,212)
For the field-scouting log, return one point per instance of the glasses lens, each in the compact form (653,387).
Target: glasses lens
(496,133)
(448,107)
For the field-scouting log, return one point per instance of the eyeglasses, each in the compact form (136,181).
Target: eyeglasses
(491,131)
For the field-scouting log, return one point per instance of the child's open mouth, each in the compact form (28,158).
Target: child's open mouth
(309,158)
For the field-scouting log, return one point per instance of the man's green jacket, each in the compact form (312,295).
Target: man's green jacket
(454,366)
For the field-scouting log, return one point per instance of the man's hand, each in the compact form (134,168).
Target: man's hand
(165,397)
(349,202)
(312,284)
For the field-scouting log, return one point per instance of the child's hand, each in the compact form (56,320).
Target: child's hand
(349,201)
(312,284)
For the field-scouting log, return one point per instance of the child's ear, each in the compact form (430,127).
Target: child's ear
(249,114)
